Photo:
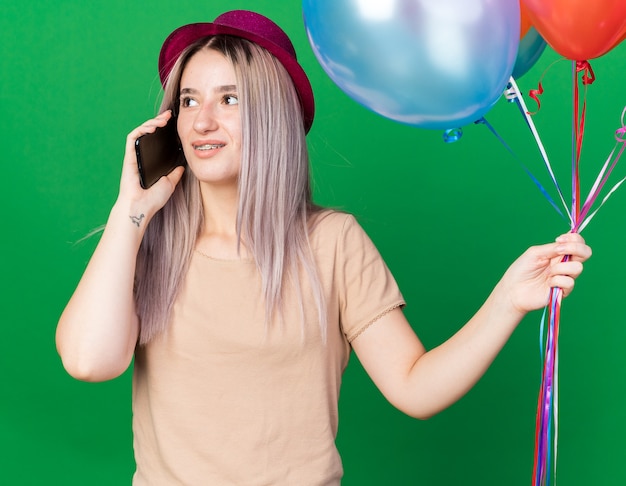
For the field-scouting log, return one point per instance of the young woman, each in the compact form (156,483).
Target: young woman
(240,300)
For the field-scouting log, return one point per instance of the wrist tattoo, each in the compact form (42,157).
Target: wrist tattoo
(137,219)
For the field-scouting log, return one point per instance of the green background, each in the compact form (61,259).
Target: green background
(78,76)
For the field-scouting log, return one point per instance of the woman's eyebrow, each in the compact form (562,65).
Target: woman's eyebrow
(227,88)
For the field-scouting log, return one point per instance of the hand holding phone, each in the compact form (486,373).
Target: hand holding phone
(158,153)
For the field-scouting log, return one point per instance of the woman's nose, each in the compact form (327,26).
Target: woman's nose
(205,120)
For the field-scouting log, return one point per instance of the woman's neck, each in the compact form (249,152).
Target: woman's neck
(218,236)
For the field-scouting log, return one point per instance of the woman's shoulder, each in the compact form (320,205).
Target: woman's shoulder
(336,231)
(327,221)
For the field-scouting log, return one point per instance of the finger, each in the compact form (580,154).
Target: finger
(570,237)
(161,191)
(149,126)
(570,268)
(565,283)
(575,245)
(176,175)
(576,250)
(166,184)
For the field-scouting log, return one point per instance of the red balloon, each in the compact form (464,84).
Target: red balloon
(620,41)
(579,29)
(526,24)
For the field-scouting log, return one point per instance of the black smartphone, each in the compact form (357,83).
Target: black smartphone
(158,153)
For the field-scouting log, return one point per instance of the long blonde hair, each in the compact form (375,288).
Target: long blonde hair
(275,200)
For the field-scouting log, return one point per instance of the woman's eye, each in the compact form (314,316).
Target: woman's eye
(187,102)
(231,100)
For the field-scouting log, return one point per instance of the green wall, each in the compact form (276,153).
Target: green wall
(77,76)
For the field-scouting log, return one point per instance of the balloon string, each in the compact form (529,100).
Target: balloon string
(544,470)
(546,430)
(603,176)
(515,94)
(576,142)
(555,413)
(584,220)
(578,131)
(483,121)
(579,217)
(546,424)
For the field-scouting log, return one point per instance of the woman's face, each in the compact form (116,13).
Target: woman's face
(209,123)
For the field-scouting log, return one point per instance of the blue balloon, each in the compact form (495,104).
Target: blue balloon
(530,49)
(427,63)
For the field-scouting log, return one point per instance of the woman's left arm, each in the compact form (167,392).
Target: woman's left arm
(422,383)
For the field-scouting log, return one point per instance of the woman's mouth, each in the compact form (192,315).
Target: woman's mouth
(208,146)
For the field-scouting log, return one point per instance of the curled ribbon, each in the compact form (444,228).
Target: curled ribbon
(452,135)
(535,93)
(588,76)
(620,133)
(509,93)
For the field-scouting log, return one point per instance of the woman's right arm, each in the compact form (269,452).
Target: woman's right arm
(98,330)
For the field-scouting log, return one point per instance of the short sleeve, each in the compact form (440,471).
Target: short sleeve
(366,287)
